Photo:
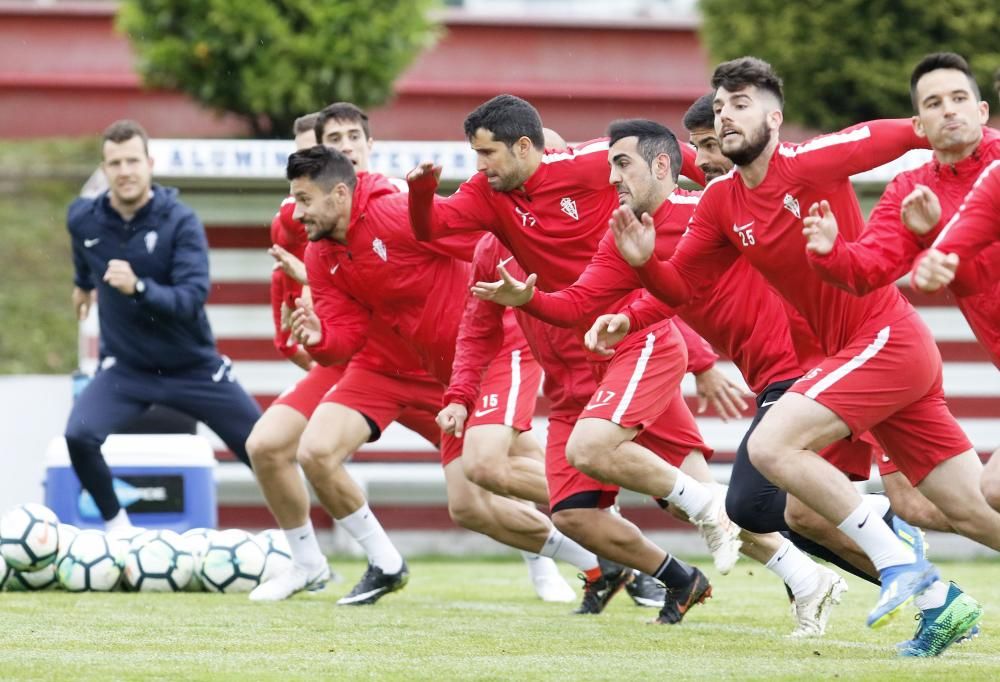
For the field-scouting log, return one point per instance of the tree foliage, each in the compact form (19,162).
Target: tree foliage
(850,60)
(270,61)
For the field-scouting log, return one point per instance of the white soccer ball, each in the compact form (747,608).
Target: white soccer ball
(66,534)
(29,537)
(158,561)
(92,563)
(196,540)
(33,581)
(233,562)
(279,555)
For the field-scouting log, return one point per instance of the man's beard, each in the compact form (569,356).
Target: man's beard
(752,147)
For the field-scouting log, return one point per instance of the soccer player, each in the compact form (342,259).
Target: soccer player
(904,499)
(145,254)
(755,211)
(549,211)
(365,268)
(347,418)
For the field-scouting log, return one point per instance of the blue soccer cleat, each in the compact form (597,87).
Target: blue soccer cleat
(954,621)
(900,584)
(911,536)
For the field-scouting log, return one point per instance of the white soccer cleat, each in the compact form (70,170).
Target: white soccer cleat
(721,535)
(553,588)
(812,612)
(295,579)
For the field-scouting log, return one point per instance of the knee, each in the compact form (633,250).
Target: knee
(584,455)
(314,457)
(991,491)
(266,451)
(764,452)
(800,520)
(468,513)
(485,473)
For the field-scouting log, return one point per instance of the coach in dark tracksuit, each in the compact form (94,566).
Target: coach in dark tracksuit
(146,255)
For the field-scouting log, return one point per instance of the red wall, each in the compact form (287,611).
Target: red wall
(64,71)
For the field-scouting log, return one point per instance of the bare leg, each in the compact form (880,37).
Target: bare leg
(501,460)
(272,445)
(334,433)
(605,451)
(954,486)
(806,522)
(991,480)
(910,504)
(611,537)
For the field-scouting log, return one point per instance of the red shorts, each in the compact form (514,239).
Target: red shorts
(640,388)
(305,394)
(888,381)
(412,401)
(563,480)
(509,391)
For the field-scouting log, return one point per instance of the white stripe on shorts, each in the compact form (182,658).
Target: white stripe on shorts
(633,383)
(861,358)
(515,388)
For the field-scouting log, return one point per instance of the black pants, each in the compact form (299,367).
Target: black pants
(117,395)
(757,505)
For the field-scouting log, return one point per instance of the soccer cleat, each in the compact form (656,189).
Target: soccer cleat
(552,588)
(295,579)
(597,593)
(812,612)
(721,535)
(911,536)
(374,585)
(679,601)
(646,591)
(955,620)
(900,584)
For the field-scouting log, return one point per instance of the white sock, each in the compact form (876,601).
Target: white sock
(118,521)
(933,597)
(558,546)
(365,528)
(304,545)
(799,572)
(690,495)
(538,565)
(866,527)
(878,503)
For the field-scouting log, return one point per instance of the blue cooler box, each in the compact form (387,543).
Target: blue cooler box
(162,481)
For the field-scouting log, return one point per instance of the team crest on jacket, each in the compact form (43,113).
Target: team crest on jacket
(792,204)
(378,246)
(568,207)
(150,240)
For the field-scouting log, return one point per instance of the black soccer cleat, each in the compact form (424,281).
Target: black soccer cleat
(597,593)
(646,591)
(679,601)
(374,585)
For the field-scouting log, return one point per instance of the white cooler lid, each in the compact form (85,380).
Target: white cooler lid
(143,450)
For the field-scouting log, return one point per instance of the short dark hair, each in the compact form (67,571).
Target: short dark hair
(124,130)
(509,118)
(324,166)
(653,139)
(941,60)
(701,114)
(341,111)
(303,124)
(737,74)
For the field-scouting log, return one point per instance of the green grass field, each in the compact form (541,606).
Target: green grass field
(468,620)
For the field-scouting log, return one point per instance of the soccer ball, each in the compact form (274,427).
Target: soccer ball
(66,534)
(33,581)
(29,537)
(4,572)
(158,561)
(196,541)
(124,536)
(92,563)
(279,555)
(233,562)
